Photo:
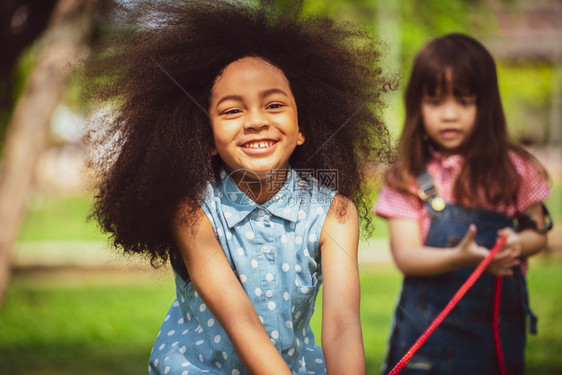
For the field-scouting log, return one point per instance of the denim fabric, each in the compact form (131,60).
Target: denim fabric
(274,251)
(464,342)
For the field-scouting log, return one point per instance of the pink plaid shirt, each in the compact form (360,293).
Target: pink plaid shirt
(533,189)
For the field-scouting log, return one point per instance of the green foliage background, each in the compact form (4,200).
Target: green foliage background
(526,87)
(405,26)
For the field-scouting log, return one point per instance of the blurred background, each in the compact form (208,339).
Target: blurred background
(70,304)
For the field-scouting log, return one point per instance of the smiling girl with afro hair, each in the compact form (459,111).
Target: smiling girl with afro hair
(162,165)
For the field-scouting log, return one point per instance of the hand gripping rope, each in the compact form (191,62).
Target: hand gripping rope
(453,302)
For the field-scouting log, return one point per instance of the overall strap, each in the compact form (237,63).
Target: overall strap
(428,191)
(520,279)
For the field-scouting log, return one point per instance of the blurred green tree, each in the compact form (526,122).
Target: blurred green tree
(28,129)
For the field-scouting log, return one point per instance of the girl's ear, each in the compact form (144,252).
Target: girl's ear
(214,151)
(300,140)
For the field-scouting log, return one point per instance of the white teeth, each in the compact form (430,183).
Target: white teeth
(259,144)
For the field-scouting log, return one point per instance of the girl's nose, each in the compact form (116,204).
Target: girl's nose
(450,111)
(256,120)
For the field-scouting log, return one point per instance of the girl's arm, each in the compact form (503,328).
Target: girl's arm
(221,291)
(412,258)
(528,242)
(342,341)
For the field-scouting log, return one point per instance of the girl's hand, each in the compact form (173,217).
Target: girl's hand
(513,240)
(413,258)
(508,256)
(469,253)
(503,261)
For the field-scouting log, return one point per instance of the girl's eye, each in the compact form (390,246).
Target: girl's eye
(467,101)
(232,112)
(274,106)
(433,101)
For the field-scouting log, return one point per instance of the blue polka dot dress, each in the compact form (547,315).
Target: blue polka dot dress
(273,250)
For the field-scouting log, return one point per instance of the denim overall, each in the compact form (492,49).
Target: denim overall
(464,342)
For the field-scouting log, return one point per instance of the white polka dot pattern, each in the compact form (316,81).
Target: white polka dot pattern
(273,249)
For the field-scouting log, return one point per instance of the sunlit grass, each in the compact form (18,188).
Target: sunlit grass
(105,323)
(81,323)
(60,218)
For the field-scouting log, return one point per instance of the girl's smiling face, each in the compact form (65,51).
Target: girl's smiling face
(254,117)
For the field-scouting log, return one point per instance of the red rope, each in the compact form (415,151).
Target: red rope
(452,303)
(496,323)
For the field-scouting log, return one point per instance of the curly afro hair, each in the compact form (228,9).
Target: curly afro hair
(156,69)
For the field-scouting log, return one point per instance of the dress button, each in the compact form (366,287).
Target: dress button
(269,293)
(262,212)
(265,249)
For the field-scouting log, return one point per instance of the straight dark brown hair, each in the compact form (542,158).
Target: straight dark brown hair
(486,152)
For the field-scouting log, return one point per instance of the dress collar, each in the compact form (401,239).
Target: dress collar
(237,204)
(449,162)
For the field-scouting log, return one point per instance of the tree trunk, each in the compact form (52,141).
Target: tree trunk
(28,132)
